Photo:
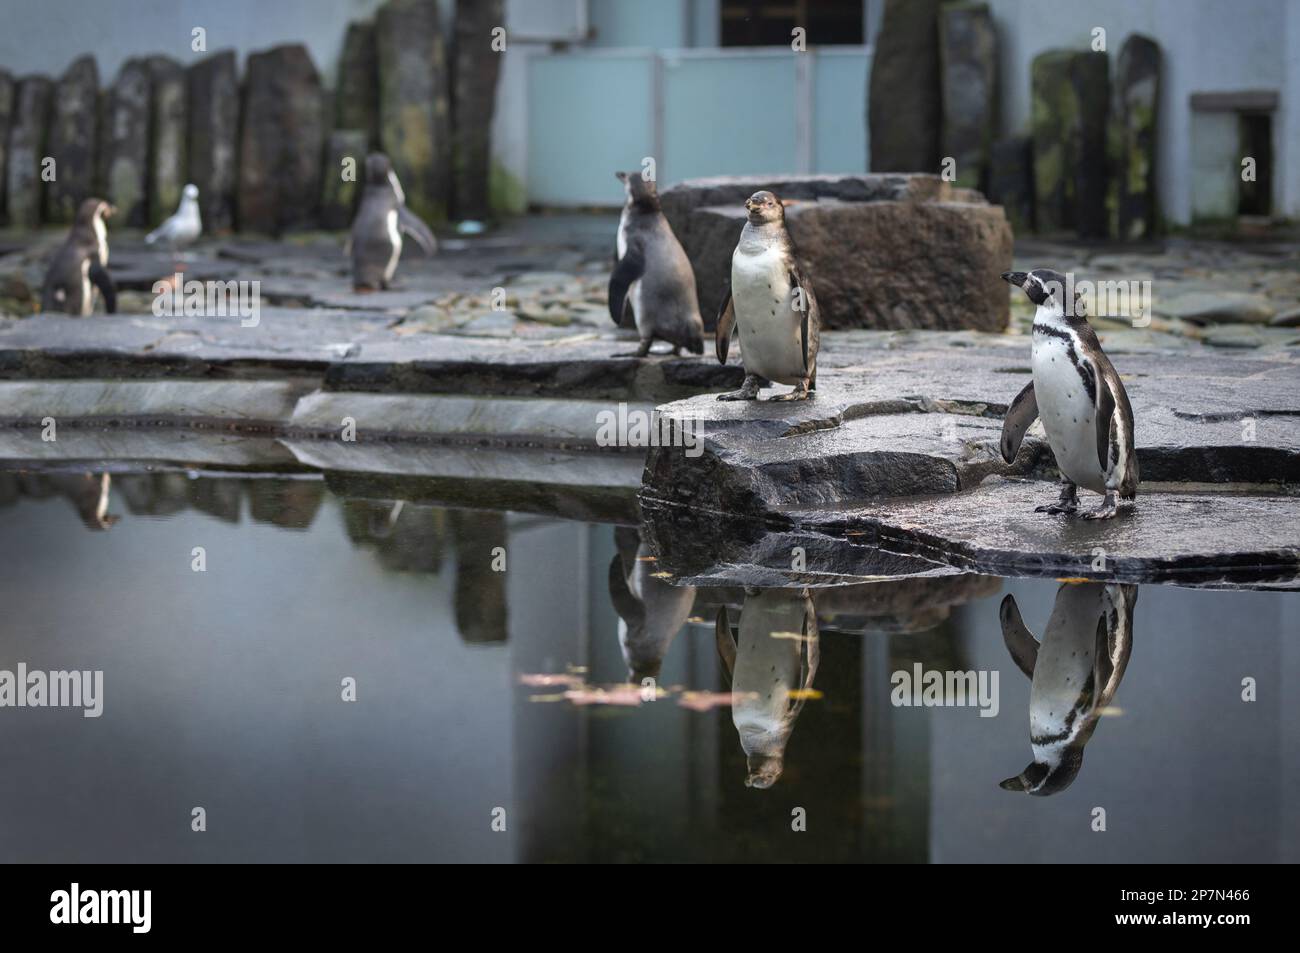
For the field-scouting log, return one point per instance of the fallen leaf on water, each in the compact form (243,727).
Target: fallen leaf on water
(808,693)
(705,701)
(617,695)
(546,698)
(1074,579)
(646,559)
(794,636)
(1112,711)
(662,575)
(542,680)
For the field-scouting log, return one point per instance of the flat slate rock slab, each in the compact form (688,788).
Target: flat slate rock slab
(1169,536)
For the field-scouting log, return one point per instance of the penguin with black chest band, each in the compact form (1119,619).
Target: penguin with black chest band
(382,220)
(1080,398)
(652,274)
(770,301)
(81,265)
(1075,672)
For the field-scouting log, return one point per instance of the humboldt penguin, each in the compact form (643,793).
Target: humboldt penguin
(771,666)
(382,219)
(770,301)
(184,226)
(1080,398)
(652,275)
(1075,673)
(81,261)
(651,612)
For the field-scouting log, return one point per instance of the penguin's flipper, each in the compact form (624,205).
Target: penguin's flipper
(627,605)
(809,658)
(1103,666)
(1020,415)
(1019,640)
(104,282)
(629,269)
(411,224)
(726,643)
(627,541)
(726,322)
(804,303)
(1105,411)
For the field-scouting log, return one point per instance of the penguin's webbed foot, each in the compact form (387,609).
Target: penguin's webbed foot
(1067,504)
(800,392)
(748,390)
(1109,507)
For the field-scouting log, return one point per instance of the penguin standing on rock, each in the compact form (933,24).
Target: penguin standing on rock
(382,219)
(80,263)
(653,275)
(770,300)
(1080,398)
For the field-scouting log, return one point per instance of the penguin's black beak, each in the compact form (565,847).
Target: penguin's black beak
(1016,278)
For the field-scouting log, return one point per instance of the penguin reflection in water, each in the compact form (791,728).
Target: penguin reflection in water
(651,612)
(1080,398)
(770,301)
(382,219)
(1075,672)
(771,666)
(652,274)
(81,265)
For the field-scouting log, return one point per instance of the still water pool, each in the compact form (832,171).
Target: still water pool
(335,679)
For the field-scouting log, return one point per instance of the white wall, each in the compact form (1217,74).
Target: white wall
(1208,45)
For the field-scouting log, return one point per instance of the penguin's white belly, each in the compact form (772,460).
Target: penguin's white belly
(1065,662)
(395,238)
(771,342)
(1067,413)
(87,297)
(767,670)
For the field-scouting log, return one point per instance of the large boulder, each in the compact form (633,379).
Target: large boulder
(968,53)
(7,87)
(339,196)
(1133,203)
(477,69)
(1071,102)
(883,251)
(903,98)
(213,122)
(124,152)
(72,140)
(281,140)
(27,138)
(414,102)
(166,136)
(356,101)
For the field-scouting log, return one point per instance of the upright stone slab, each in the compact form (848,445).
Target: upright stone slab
(477,69)
(1071,98)
(903,98)
(124,150)
(357,98)
(339,194)
(281,139)
(213,123)
(414,107)
(167,146)
(27,145)
(1134,204)
(1011,181)
(72,140)
(968,54)
(7,87)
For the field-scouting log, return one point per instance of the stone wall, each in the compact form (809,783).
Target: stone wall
(269,152)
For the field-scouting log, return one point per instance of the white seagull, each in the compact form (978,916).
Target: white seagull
(183,227)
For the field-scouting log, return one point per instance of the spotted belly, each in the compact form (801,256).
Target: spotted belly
(1068,413)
